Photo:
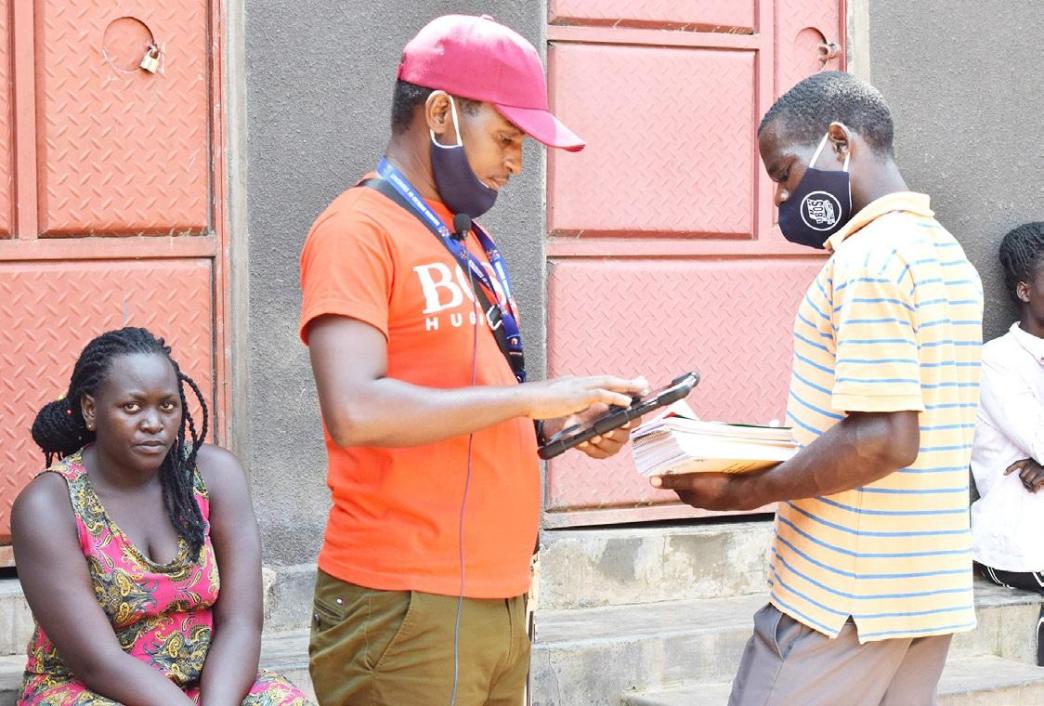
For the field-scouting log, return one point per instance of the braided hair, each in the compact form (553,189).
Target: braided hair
(59,428)
(1021,254)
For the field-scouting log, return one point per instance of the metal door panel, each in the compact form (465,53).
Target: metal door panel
(730,319)
(49,312)
(801,27)
(662,244)
(122,151)
(707,14)
(668,134)
(6,125)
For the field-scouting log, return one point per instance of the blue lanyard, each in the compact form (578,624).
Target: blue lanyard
(505,315)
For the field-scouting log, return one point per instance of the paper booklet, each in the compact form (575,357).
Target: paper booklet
(677,441)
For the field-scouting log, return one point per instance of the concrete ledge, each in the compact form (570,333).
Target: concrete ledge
(582,568)
(288,596)
(988,681)
(11,668)
(975,681)
(1007,625)
(588,657)
(16,620)
(287,600)
(285,653)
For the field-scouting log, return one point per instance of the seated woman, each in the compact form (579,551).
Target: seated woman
(138,550)
(1008,519)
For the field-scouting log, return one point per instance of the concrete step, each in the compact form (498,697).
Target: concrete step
(16,620)
(971,681)
(287,653)
(990,681)
(685,694)
(287,598)
(587,657)
(11,667)
(1007,625)
(584,568)
(287,602)
(283,652)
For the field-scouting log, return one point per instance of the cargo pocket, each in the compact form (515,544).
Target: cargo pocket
(336,643)
(390,620)
(326,615)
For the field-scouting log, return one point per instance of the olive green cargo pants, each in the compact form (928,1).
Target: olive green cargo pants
(395,648)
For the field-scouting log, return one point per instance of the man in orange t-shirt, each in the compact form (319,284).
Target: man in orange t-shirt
(410,324)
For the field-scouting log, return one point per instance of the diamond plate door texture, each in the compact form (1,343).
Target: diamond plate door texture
(730,319)
(122,151)
(6,124)
(710,14)
(668,135)
(801,27)
(51,310)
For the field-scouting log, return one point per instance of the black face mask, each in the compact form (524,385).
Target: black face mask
(458,187)
(820,205)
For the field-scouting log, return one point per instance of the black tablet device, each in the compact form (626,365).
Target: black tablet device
(616,417)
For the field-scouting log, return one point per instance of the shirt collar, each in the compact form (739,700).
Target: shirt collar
(1034,345)
(909,201)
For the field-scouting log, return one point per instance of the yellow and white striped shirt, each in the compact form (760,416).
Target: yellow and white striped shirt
(892,322)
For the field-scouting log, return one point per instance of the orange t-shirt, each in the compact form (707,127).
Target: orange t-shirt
(396,511)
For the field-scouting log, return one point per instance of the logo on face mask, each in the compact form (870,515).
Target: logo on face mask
(820,210)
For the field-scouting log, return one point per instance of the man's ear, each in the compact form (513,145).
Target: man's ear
(1022,291)
(841,141)
(437,116)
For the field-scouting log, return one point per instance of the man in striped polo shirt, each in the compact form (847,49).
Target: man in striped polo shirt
(871,566)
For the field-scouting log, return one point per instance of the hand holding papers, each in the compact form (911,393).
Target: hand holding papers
(678,442)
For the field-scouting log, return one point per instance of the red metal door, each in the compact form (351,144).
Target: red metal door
(663,254)
(111,198)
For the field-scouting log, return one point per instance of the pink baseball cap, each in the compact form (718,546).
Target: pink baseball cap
(477,58)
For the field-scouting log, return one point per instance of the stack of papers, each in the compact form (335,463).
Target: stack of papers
(678,442)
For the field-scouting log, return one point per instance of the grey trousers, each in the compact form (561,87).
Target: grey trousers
(786,663)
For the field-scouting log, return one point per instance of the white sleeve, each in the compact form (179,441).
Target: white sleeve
(1011,403)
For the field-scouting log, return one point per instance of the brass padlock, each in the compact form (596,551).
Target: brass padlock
(150,62)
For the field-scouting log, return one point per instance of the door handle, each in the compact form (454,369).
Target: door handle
(828,51)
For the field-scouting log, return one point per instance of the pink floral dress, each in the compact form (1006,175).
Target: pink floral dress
(161,613)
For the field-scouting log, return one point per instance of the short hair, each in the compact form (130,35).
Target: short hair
(60,430)
(806,110)
(407,97)
(1022,255)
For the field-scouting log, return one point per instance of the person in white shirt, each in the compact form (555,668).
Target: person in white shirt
(1008,451)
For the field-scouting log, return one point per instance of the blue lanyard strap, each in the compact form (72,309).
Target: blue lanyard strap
(501,313)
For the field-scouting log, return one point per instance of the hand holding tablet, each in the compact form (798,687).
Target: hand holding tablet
(616,417)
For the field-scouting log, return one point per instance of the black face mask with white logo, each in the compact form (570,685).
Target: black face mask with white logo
(820,205)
